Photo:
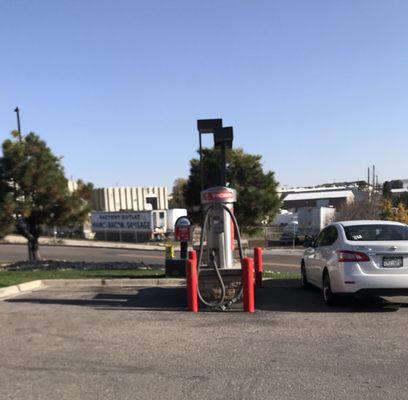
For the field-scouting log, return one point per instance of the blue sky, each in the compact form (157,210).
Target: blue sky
(318,88)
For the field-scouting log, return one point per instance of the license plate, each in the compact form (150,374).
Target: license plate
(392,262)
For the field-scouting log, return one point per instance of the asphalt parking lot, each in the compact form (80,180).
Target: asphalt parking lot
(138,343)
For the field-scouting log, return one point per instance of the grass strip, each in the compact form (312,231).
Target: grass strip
(280,275)
(8,278)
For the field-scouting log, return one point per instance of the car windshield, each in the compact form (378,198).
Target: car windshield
(369,233)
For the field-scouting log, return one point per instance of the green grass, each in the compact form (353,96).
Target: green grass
(8,278)
(280,275)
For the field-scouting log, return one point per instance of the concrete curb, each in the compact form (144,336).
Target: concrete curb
(15,290)
(113,282)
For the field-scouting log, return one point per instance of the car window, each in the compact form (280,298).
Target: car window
(319,239)
(372,233)
(330,236)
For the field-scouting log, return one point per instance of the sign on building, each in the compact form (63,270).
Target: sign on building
(137,221)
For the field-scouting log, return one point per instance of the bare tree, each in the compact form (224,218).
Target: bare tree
(178,200)
(367,207)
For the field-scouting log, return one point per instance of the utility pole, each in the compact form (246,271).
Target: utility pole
(373,178)
(17,111)
(368,178)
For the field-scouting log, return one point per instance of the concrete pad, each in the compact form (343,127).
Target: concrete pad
(128,343)
(17,290)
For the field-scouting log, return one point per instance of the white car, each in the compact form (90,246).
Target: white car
(358,257)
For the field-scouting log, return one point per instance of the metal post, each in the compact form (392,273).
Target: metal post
(223,165)
(183,250)
(258,266)
(18,123)
(201,163)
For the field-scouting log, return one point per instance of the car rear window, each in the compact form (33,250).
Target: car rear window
(368,233)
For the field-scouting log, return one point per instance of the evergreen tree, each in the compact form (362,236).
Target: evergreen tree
(34,191)
(257,198)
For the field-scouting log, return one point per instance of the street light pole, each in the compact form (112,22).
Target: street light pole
(17,111)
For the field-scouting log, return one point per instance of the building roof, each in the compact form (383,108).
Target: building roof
(355,185)
(319,195)
(403,190)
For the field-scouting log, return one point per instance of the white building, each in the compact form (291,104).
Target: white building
(130,198)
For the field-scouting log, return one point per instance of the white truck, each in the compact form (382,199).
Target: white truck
(134,226)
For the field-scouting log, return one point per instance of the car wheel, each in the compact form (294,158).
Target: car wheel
(329,297)
(303,277)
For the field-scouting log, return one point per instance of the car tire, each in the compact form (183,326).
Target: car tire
(329,298)
(303,278)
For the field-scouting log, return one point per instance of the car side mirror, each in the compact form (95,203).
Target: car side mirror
(308,243)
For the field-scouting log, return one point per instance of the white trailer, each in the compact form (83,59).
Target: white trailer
(313,219)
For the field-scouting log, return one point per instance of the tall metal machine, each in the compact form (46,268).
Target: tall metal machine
(219,230)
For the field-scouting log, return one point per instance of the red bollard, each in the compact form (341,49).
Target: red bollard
(191,282)
(248,296)
(258,266)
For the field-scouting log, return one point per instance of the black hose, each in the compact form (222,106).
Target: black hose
(221,303)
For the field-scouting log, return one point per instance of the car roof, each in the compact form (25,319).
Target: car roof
(368,222)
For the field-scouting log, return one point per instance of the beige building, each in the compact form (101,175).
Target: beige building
(130,198)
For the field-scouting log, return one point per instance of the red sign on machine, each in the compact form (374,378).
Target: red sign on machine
(183,233)
(183,230)
(218,196)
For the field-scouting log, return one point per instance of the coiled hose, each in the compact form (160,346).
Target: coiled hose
(222,303)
